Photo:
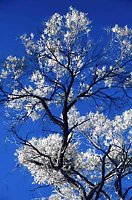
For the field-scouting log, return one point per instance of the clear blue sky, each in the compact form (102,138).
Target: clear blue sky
(18,17)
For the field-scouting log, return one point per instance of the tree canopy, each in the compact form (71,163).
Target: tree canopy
(84,154)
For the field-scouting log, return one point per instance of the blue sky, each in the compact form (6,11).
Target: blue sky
(18,17)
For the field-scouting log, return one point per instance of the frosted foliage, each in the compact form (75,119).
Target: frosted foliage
(50,146)
(65,193)
(97,128)
(35,156)
(26,98)
(111,80)
(51,53)
(53,26)
(124,36)
(12,67)
(102,131)
(63,67)
(58,53)
(74,117)
(121,31)
(75,22)
(59,36)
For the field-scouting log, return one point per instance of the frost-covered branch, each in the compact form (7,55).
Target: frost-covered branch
(66,80)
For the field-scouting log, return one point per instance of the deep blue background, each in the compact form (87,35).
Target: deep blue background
(18,17)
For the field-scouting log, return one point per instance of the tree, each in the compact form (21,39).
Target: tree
(84,154)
